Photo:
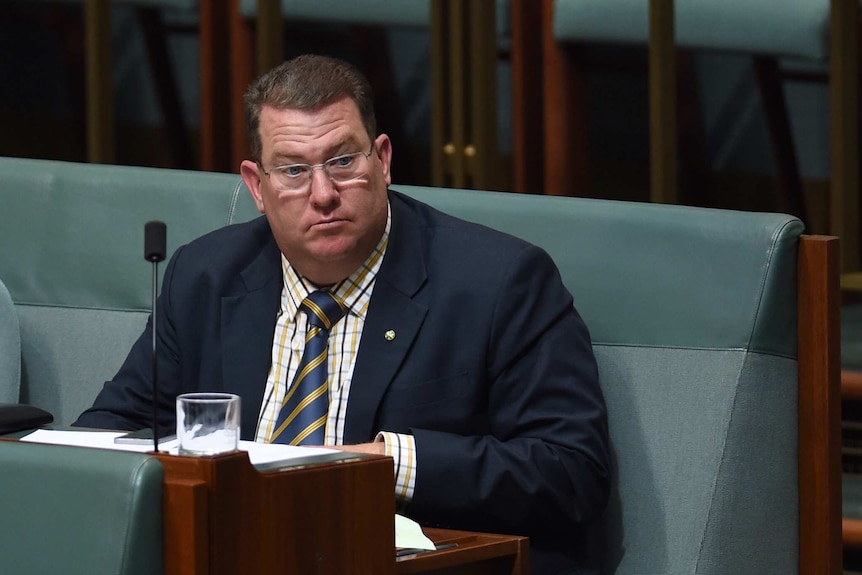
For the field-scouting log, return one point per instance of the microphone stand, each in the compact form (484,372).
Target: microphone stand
(155,366)
(154,251)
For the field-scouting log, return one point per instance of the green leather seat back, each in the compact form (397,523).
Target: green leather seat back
(10,349)
(72,259)
(380,12)
(79,511)
(411,13)
(793,28)
(692,313)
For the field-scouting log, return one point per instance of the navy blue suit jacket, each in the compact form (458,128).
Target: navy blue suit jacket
(491,371)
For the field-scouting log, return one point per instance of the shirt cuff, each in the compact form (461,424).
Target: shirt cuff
(402,449)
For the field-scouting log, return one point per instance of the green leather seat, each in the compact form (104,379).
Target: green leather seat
(13,416)
(79,511)
(73,262)
(10,349)
(380,12)
(415,13)
(692,314)
(796,28)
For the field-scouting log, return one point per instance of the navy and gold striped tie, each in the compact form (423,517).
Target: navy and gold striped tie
(302,419)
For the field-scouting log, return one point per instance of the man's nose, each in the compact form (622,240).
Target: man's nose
(322,188)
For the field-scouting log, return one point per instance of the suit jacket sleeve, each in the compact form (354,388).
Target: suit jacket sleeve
(542,459)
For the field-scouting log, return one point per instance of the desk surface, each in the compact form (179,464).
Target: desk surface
(474,553)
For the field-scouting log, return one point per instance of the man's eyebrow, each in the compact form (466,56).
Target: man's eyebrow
(285,159)
(345,146)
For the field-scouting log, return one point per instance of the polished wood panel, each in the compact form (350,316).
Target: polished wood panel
(851,385)
(473,553)
(243,70)
(527,145)
(215,84)
(844,114)
(464,86)
(819,406)
(481,155)
(99,84)
(851,531)
(662,103)
(333,517)
(270,34)
(223,516)
(566,169)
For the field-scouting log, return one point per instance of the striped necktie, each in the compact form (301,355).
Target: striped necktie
(302,419)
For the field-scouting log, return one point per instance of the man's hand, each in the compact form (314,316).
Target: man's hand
(375,447)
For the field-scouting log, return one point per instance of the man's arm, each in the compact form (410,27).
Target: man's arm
(545,458)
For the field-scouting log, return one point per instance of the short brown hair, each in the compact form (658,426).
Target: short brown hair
(305,83)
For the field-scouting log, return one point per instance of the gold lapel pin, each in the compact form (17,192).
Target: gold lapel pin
(389,335)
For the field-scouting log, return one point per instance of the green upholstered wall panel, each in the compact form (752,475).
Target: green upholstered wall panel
(657,275)
(80,227)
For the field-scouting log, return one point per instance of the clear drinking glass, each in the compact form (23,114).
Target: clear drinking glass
(207,423)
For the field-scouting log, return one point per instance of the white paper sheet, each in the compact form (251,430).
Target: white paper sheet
(258,453)
(409,535)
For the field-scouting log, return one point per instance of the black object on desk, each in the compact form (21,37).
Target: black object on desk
(18,416)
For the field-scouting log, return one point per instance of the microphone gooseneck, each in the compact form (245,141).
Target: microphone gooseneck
(155,242)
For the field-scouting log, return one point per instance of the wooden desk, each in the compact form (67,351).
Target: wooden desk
(475,553)
(221,515)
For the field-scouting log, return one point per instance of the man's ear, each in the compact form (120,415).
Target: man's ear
(383,149)
(251,176)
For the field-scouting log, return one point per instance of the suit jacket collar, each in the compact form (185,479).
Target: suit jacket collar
(393,320)
(247,327)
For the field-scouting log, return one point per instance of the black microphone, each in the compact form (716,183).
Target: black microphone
(155,242)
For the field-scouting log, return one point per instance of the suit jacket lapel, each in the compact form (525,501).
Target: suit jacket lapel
(393,312)
(247,328)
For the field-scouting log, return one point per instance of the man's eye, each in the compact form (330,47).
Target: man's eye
(342,161)
(295,171)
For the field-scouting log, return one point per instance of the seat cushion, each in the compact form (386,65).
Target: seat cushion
(76,510)
(380,12)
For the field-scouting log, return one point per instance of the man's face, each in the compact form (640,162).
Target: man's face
(325,229)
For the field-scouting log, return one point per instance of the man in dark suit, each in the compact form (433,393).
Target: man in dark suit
(456,349)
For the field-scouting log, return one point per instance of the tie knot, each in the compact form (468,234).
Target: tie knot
(323,309)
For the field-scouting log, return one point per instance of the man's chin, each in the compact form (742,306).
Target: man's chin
(333,249)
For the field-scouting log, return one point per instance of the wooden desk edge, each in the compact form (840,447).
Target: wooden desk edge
(472,548)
